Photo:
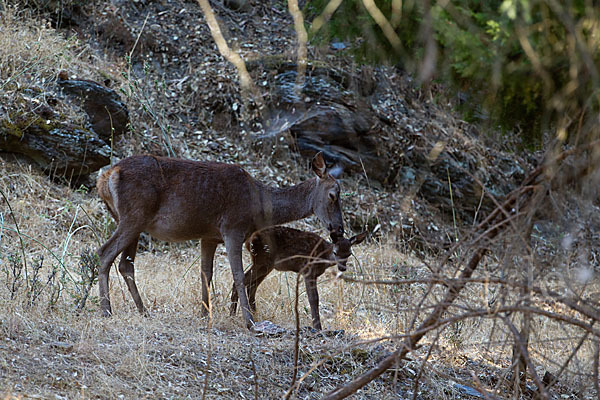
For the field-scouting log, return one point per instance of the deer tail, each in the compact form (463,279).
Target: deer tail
(106,186)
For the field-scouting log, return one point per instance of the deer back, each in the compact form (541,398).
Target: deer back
(178,200)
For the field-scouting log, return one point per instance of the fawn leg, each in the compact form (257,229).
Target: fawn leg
(313,299)
(252,286)
(251,282)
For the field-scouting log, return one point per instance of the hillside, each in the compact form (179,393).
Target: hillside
(420,179)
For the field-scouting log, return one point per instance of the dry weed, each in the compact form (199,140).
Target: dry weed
(31,56)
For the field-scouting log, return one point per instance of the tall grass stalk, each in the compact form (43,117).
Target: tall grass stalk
(12,214)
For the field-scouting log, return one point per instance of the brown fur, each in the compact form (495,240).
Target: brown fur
(176,200)
(288,249)
(104,191)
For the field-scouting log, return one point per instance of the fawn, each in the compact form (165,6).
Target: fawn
(287,249)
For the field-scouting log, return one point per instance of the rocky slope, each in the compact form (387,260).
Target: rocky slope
(412,168)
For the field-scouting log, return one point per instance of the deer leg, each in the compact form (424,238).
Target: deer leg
(103,289)
(233,244)
(208,249)
(313,299)
(127,272)
(119,241)
(234,295)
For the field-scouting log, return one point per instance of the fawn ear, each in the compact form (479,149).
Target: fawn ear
(358,238)
(318,165)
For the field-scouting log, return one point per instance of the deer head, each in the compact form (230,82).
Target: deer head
(326,199)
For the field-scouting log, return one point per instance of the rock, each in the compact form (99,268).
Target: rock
(347,116)
(107,113)
(326,115)
(60,149)
(238,5)
(457,170)
(467,390)
(63,149)
(268,329)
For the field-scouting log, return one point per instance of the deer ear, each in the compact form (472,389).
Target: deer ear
(318,165)
(358,238)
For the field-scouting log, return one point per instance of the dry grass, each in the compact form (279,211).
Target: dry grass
(51,351)
(55,350)
(32,54)
(48,349)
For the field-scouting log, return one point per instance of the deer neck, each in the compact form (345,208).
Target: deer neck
(292,203)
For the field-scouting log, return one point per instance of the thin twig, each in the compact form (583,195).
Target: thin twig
(595,367)
(296,341)
(554,380)
(525,356)
(423,363)
(12,214)
(246,82)
(209,345)
(253,372)
(302,38)
(411,342)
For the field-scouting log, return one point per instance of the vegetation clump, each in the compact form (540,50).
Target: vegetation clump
(533,64)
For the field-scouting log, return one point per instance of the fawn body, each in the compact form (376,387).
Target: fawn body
(176,200)
(287,249)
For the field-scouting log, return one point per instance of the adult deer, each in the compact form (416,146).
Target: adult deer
(288,249)
(176,200)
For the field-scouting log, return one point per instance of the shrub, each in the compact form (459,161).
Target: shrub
(517,64)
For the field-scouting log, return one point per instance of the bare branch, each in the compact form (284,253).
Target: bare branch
(383,23)
(595,367)
(411,341)
(293,384)
(325,16)
(302,37)
(246,82)
(525,355)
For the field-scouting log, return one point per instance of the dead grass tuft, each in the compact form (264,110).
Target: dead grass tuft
(32,54)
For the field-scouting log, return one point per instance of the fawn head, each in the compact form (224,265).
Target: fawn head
(326,201)
(342,249)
